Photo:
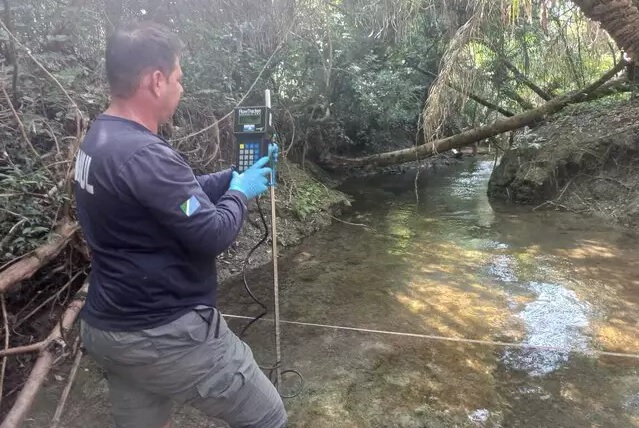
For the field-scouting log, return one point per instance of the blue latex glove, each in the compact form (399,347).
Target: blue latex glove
(252,182)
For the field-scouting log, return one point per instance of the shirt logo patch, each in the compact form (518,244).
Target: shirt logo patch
(190,206)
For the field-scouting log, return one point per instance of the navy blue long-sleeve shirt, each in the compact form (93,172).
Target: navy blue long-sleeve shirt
(153,227)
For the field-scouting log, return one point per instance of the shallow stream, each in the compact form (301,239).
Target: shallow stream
(454,265)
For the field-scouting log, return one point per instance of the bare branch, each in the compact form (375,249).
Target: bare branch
(525,80)
(27,349)
(29,265)
(67,389)
(53,348)
(6,343)
(54,296)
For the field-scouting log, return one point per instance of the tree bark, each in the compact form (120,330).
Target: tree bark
(620,18)
(477,134)
(610,88)
(28,266)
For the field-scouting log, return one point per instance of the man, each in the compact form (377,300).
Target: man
(154,230)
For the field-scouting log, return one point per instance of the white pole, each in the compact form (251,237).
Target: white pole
(278,353)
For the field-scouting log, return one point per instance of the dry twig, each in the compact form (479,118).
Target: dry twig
(50,352)
(27,349)
(22,320)
(6,343)
(29,265)
(67,389)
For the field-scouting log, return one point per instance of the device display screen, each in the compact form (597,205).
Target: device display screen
(250,119)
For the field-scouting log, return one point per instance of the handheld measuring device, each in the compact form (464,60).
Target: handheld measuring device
(253,130)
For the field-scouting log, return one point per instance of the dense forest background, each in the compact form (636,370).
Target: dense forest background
(351,77)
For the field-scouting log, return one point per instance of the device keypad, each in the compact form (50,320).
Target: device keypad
(249,154)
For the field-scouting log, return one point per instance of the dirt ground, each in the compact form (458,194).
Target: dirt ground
(583,159)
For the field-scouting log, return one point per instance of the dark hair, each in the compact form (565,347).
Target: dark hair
(138,48)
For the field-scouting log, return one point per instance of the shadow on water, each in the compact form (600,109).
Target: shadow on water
(458,266)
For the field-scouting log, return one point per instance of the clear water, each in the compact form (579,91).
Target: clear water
(455,265)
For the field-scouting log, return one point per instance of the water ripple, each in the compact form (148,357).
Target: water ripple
(556,318)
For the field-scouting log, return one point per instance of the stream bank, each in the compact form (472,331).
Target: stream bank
(306,204)
(583,159)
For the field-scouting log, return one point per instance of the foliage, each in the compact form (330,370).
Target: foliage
(308,199)
(499,51)
(20,208)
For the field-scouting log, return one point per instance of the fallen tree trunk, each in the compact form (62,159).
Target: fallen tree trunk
(51,349)
(610,88)
(477,134)
(29,265)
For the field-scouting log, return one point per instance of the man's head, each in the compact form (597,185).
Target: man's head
(143,68)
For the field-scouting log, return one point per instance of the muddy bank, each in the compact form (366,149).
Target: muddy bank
(306,203)
(583,160)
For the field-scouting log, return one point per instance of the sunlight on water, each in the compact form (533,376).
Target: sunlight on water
(502,268)
(555,318)
(461,266)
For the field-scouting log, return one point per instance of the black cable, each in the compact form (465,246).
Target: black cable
(245,264)
(271,370)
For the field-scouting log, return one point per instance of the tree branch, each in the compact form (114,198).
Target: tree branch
(6,342)
(27,349)
(477,134)
(476,98)
(67,389)
(53,348)
(29,265)
(526,81)
(513,95)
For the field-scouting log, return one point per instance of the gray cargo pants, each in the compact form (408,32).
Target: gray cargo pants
(196,360)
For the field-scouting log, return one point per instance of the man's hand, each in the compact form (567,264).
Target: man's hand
(252,182)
